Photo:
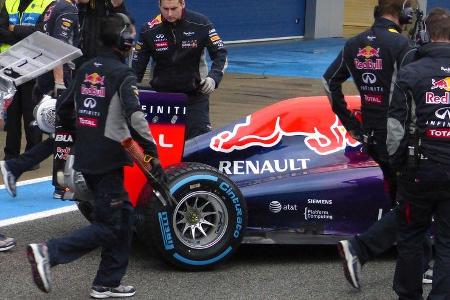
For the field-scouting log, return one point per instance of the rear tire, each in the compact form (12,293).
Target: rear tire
(207,225)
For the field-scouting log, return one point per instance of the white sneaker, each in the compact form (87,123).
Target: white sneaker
(8,179)
(40,266)
(351,263)
(102,292)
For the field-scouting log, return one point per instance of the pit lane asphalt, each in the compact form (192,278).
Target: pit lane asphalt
(254,272)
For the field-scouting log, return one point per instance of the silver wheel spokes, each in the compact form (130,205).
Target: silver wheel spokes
(200,220)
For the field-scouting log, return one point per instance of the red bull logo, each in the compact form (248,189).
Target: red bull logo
(94,79)
(368,52)
(155,21)
(309,117)
(443,84)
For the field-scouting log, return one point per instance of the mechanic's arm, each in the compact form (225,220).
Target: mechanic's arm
(65,108)
(218,55)
(64,30)
(129,95)
(333,78)
(141,55)
(398,121)
(6,36)
(22,31)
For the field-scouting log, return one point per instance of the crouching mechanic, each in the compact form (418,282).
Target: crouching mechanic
(418,142)
(176,42)
(105,97)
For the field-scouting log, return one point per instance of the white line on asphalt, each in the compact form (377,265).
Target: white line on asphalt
(30,181)
(39,215)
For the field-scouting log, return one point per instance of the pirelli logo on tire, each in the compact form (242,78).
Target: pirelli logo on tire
(165,230)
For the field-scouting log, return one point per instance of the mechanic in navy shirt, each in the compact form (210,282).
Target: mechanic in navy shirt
(372,59)
(418,141)
(176,41)
(61,22)
(112,115)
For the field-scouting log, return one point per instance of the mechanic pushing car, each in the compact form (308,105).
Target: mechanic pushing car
(418,141)
(373,59)
(105,96)
(176,41)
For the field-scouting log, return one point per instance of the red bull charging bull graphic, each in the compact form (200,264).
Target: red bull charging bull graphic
(368,52)
(323,132)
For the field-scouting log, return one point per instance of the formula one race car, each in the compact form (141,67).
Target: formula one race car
(287,174)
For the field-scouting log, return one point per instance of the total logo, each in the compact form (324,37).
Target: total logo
(276,207)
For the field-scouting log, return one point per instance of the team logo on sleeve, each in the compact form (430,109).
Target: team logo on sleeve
(155,21)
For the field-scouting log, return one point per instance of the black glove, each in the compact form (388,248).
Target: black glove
(357,135)
(158,172)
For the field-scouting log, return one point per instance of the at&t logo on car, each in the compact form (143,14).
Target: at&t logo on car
(276,207)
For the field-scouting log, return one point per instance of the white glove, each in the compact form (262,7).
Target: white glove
(58,89)
(208,85)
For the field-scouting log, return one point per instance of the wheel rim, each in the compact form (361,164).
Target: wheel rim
(200,220)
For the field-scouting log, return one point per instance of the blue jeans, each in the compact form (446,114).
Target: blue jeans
(111,229)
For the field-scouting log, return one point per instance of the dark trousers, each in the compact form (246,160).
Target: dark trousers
(383,234)
(197,116)
(111,229)
(21,107)
(30,158)
(420,201)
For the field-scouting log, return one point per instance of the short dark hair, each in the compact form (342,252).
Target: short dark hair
(179,1)
(438,24)
(392,7)
(111,26)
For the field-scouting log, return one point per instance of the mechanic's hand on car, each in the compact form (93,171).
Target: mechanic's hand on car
(357,135)
(58,89)
(208,85)
(157,171)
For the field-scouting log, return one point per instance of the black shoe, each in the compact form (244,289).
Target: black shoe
(428,277)
(40,266)
(59,193)
(102,292)
(351,264)
(8,179)
(6,243)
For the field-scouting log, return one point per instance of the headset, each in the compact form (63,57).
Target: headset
(420,34)
(125,39)
(406,14)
